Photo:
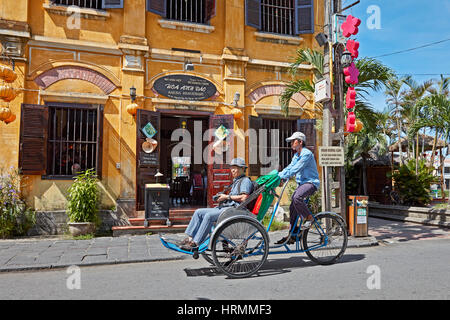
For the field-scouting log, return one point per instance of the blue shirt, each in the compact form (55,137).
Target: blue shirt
(240,186)
(304,167)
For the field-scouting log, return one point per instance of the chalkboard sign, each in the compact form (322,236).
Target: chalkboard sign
(184,87)
(157,201)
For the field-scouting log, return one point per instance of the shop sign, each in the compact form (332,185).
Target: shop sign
(184,87)
(331,156)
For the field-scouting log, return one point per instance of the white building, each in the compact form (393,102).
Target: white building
(447,173)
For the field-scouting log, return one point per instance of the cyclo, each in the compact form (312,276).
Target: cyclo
(239,244)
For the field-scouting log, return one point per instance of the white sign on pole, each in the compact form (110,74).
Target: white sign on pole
(322,91)
(331,156)
(338,20)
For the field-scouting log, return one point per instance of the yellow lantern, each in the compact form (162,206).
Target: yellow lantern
(7,93)
(237,113)
(7,74)
(11,118)
(132,108)
(358,126)
(5,113)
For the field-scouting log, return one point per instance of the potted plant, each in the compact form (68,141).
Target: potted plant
(83,203)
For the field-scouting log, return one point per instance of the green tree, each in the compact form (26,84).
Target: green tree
(437,107)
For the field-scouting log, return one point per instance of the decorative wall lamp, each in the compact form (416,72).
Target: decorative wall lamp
(132,108)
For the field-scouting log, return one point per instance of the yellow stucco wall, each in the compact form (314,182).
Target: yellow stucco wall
(231,57)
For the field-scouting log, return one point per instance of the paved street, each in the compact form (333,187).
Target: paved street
(410,270)
(411,264)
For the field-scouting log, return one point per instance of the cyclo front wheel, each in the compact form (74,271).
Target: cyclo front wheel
(326,239)
(240,247)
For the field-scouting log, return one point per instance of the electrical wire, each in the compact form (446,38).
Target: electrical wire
(412,49)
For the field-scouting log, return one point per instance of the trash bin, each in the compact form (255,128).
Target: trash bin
(358,212)
(157,202)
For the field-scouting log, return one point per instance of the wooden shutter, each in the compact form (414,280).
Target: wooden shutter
(255,123)
(112,4)
(147,164)
(210,10)
(33,139)
(157,6)
(253,13)
(219,175)
(304,16)
(307,126)
(99,164)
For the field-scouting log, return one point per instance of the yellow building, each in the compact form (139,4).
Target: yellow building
(194,64)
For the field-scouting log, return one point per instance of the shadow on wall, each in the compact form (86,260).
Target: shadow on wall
(50,195)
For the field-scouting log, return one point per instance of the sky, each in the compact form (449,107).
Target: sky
(405,24)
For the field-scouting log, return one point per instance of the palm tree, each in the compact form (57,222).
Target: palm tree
(438,119)
(394,101)
(414,110)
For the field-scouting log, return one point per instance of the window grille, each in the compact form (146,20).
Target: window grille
(187,10)
(93,4)
(285,128)
(278,16)
(73,139)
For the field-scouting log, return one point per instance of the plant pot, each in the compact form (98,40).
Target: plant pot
(81,228)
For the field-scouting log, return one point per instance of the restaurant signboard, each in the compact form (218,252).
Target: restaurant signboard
(184,87)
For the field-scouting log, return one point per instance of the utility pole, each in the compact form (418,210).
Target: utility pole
(340,118)
(327,106)
(336,114)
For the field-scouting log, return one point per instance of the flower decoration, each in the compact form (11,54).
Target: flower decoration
(350,26)
(351,119)
(351,74)
(352,47)
(350,99)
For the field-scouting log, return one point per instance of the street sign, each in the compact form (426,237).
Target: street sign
(322,91)
(338,36)
(331,156)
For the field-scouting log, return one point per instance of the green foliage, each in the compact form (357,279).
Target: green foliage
(16,218)
(276,225)
(315,201)
(414,189)
(84,198)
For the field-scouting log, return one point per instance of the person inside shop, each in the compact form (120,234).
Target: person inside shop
(303,167)
(203,219)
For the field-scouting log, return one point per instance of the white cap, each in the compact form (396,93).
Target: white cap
(297,136)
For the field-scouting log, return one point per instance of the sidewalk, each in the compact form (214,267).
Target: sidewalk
(34,254)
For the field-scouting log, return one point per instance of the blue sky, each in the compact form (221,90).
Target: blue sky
(406,24)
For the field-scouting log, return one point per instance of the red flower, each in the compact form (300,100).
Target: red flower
(351,74)
(350,99)
(351,119)
(350,26)
(352,47)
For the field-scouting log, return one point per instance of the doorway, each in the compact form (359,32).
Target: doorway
(181,156)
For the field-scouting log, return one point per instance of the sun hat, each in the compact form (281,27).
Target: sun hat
(297,136)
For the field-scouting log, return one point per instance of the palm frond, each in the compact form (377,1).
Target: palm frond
(292,88)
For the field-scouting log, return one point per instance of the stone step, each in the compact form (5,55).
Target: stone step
(136,230)
(405,218)
(414,213)
(173,220)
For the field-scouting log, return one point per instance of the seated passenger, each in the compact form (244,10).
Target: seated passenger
(203,219)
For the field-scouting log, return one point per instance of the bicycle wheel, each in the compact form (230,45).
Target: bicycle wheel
(240,247)
(207,256)
(326,240)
